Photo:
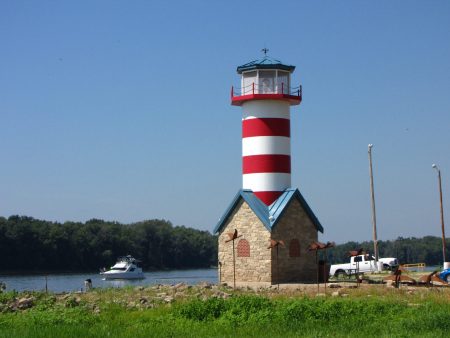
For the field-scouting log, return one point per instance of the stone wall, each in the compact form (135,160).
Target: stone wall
(294,223)
(249,270)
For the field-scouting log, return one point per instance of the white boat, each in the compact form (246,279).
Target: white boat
(125,268)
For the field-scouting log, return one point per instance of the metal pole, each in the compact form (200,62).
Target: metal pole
(317,277)
(374,217)
(442,211)
(278,271)
(234,268)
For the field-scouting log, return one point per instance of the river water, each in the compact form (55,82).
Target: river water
(75,281)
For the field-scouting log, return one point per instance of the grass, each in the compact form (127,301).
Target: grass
(370,311)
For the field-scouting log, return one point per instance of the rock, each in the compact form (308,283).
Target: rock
(335,294)
(221,294)
(320,295)
(205,285)
(131,305)
(25,303)
(334,286)
(168,299)
(161,294)
(72,302)
(344,295)
(226,295)
(180,286)
(66,296)
(139,288)
(143,300)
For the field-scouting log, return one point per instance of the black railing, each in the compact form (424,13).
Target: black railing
(254,88)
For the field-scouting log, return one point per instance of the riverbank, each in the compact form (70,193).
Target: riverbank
(207,310)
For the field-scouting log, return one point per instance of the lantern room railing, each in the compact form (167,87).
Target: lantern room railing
(254,88)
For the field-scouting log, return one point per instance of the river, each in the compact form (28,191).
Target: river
(75,281)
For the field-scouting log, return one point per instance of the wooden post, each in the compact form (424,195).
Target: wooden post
(374,217)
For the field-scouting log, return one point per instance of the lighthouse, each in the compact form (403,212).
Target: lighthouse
(266,96)
(266,210)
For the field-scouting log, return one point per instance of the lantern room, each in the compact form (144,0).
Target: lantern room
(264,79)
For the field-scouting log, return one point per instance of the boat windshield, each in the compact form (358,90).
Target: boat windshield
(119,269)
(127,259)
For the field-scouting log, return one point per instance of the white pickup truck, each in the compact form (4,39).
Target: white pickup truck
(362,263)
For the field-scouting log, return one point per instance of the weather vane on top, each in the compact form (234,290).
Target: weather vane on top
(265,50)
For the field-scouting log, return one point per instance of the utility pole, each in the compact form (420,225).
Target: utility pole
(442,213)
(374,217)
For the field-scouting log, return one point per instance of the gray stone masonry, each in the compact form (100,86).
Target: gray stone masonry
(295,223)
(257,267)
(261,266)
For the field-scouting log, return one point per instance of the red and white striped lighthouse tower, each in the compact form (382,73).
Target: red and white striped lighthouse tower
(266,96)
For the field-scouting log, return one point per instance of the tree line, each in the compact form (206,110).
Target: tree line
(426,250)
(28,244)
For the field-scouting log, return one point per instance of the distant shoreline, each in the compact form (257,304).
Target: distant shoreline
(74,272)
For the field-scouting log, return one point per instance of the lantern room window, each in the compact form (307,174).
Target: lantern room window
(283,82)
(248,81)
(265,82)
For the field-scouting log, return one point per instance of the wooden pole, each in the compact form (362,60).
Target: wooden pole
(442,216)
(374,217)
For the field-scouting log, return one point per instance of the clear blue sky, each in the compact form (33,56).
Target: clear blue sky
(120,110)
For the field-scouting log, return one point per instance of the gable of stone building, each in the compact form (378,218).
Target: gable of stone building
(295,223)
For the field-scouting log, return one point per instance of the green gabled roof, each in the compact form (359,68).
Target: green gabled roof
(268,215)
(265,63)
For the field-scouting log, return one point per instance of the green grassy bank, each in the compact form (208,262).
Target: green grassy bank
(213,312)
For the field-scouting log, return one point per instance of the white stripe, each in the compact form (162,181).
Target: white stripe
(266,181)
(262,145)
(266,109)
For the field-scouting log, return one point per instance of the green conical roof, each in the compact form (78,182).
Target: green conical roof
(265,63)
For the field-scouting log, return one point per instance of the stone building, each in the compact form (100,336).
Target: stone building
(267,208)
(289,219)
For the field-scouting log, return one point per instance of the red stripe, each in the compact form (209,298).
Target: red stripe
(266,164)
(268,197)
(266,127)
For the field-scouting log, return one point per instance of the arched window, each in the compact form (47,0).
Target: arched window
(243,248)
(294,248)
